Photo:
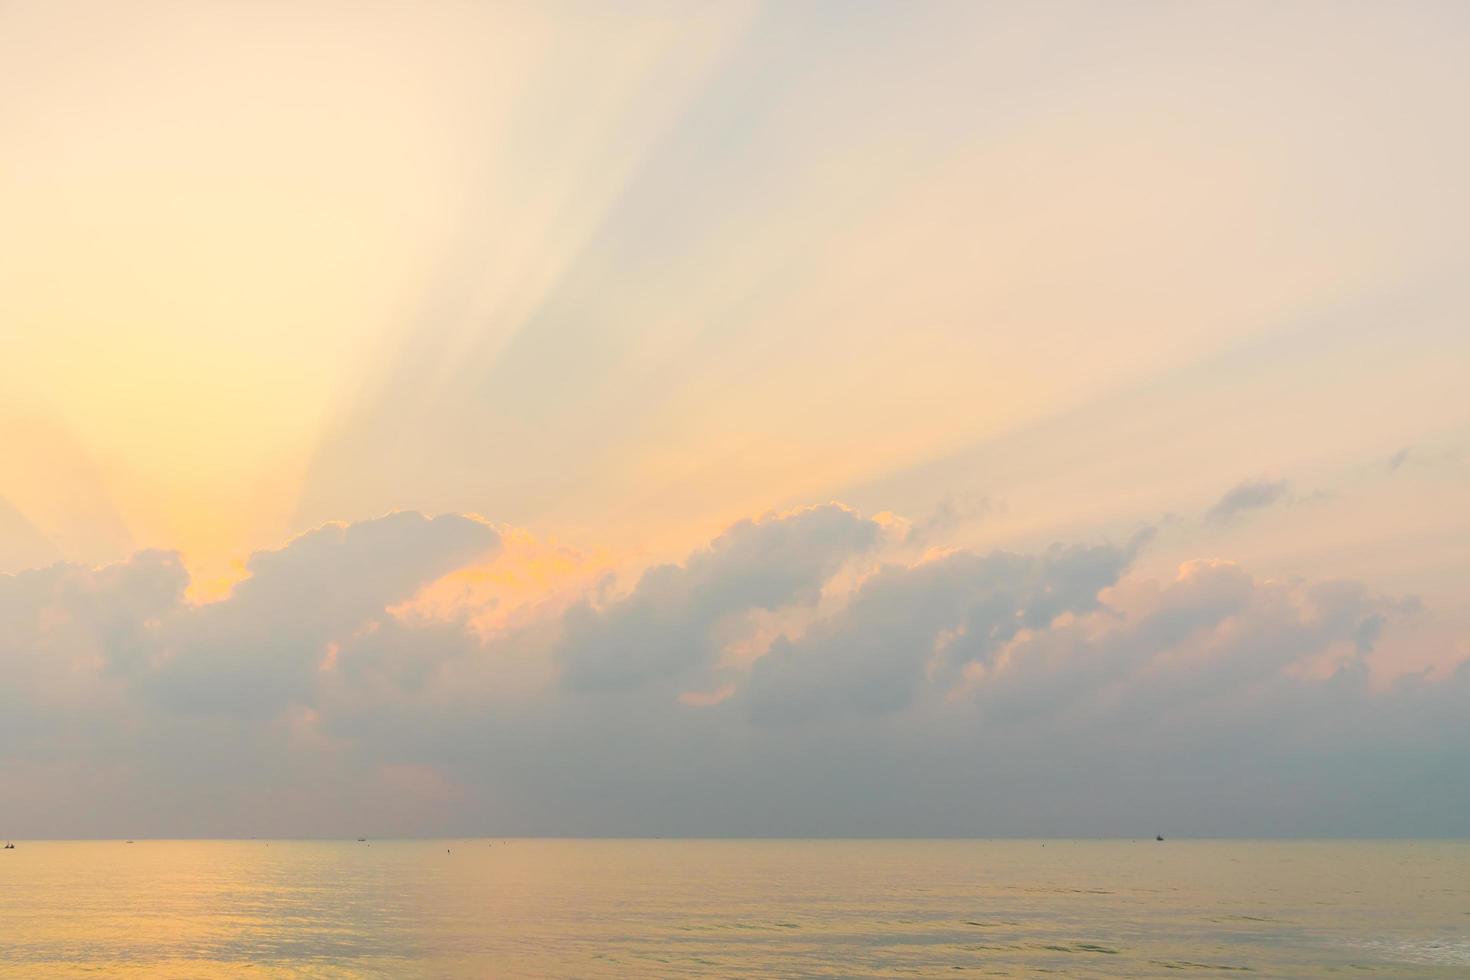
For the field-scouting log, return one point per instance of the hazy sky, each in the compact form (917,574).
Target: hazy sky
(805,418)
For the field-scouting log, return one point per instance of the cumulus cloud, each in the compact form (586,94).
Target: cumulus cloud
(908,623)
(260,650)
(667,626)
(961,693)
(1249,495)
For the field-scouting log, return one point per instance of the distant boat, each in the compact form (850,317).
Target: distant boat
(1158,837)
(8,846)
(362,840)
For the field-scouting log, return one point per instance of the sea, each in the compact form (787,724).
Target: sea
(493,907)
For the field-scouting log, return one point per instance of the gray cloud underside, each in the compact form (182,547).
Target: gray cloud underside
(968,694)
(1250,495)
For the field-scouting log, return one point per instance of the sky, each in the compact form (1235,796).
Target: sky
(734,419)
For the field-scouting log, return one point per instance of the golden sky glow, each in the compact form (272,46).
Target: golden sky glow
(623,277)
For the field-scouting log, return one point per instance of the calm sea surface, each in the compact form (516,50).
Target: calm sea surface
(734,908)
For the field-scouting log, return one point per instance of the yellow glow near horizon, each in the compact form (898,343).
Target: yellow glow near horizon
(622,277)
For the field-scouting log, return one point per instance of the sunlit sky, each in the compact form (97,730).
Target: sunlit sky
(615,277)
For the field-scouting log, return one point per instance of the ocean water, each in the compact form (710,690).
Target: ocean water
(648,908)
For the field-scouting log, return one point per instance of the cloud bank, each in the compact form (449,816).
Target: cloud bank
(803,674)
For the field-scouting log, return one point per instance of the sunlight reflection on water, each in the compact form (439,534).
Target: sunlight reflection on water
(723,908)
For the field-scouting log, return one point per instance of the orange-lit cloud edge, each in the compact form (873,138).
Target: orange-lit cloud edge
(533,580)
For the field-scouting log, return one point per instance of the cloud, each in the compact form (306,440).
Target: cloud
(1250,495)
(261,649)
(876,653)
(1056,692)
(667,626)
(72,640)
(948,516)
